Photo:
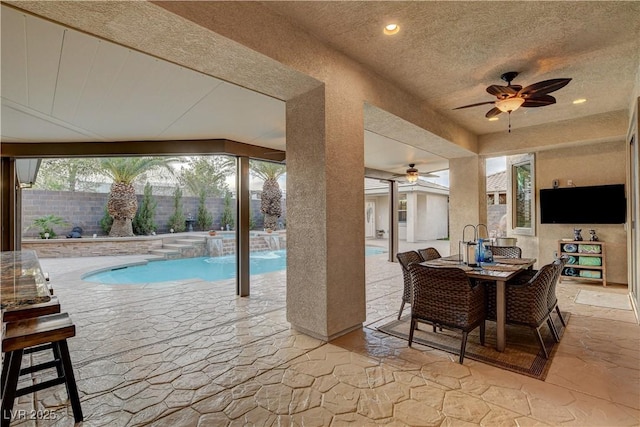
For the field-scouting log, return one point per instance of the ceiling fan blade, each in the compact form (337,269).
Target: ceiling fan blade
(475,105)
(422,175)
(502,91)
(539,101)
(493,112)
(543,87)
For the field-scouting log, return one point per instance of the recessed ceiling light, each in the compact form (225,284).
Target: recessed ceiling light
(493,119)
(580,101)
(391,29)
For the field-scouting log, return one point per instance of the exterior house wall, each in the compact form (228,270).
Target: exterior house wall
(579,165)
(382,214)
(431,216)
(434,216)
(437,208)
(424,218)
(402,231)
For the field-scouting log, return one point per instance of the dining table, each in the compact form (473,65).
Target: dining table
(22,281)
(501,270)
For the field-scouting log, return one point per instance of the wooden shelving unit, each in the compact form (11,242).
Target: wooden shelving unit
(586,261)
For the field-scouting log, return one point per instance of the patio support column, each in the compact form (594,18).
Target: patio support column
(325,221)
(393,220)
(10,222)
(242,231)
(465,175)
(412,216)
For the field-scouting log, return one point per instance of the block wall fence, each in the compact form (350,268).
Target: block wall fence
(85,210)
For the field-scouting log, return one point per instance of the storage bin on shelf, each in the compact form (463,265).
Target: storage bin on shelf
(586,260)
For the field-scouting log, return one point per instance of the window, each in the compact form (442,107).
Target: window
(523,194)
(402,208)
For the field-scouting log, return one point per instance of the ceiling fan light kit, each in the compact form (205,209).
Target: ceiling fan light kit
(412,173)
(512,97)
(510,104)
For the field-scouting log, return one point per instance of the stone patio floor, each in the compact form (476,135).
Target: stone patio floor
(191,353)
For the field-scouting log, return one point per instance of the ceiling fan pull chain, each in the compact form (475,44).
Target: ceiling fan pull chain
(509,121)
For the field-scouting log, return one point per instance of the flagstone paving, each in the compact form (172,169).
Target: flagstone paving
(191,353)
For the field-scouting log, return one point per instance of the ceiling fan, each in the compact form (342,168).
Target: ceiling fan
(511,97)
(412,174)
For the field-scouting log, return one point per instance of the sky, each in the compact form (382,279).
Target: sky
(496,164)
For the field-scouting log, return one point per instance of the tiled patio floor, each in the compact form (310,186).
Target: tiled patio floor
(193,354)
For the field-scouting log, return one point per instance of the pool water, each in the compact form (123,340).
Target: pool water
(204,268)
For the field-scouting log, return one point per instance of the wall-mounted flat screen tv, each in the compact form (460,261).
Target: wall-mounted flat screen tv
(601,204)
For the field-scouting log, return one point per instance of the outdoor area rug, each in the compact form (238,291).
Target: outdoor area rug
(603,299)
(522,353)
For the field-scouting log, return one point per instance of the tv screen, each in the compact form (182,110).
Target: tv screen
(601,204)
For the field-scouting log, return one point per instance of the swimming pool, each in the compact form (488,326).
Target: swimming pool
(205,268)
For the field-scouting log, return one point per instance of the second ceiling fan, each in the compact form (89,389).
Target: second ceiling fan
(511,97)
(412,174)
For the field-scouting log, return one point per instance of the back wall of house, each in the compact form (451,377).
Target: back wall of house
(595,164)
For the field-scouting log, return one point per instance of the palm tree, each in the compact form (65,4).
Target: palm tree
(46,224)
(271,205)
(122,203)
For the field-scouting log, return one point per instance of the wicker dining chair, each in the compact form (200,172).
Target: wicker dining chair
(445,296)
(509,252)
(506,251)
(527,304)
(428,254)
(552,298)
(406,258)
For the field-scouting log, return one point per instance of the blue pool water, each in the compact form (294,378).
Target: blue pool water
(205,268)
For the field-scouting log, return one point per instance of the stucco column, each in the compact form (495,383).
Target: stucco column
(466,177)
(325,221)
(412,217)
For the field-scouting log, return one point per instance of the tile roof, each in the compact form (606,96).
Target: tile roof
(497,182)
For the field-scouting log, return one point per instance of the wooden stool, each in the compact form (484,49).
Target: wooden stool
(51,329)
(21,313)
(49,285)
(33,310)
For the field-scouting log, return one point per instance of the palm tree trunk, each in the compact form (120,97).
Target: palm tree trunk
(121,228)
(122,207)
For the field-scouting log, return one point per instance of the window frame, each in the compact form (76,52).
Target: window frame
(402,207)
(522,163)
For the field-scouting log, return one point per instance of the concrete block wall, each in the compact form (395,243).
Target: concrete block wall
(494,215)
(85,210)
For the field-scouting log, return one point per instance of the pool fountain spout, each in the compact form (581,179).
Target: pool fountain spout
(273,241)
(215,246)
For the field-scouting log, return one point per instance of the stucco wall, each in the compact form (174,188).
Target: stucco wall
(465,176)
(432,221)
(578,164)
(436,217)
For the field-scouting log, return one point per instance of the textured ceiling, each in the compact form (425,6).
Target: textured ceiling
(446,54)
